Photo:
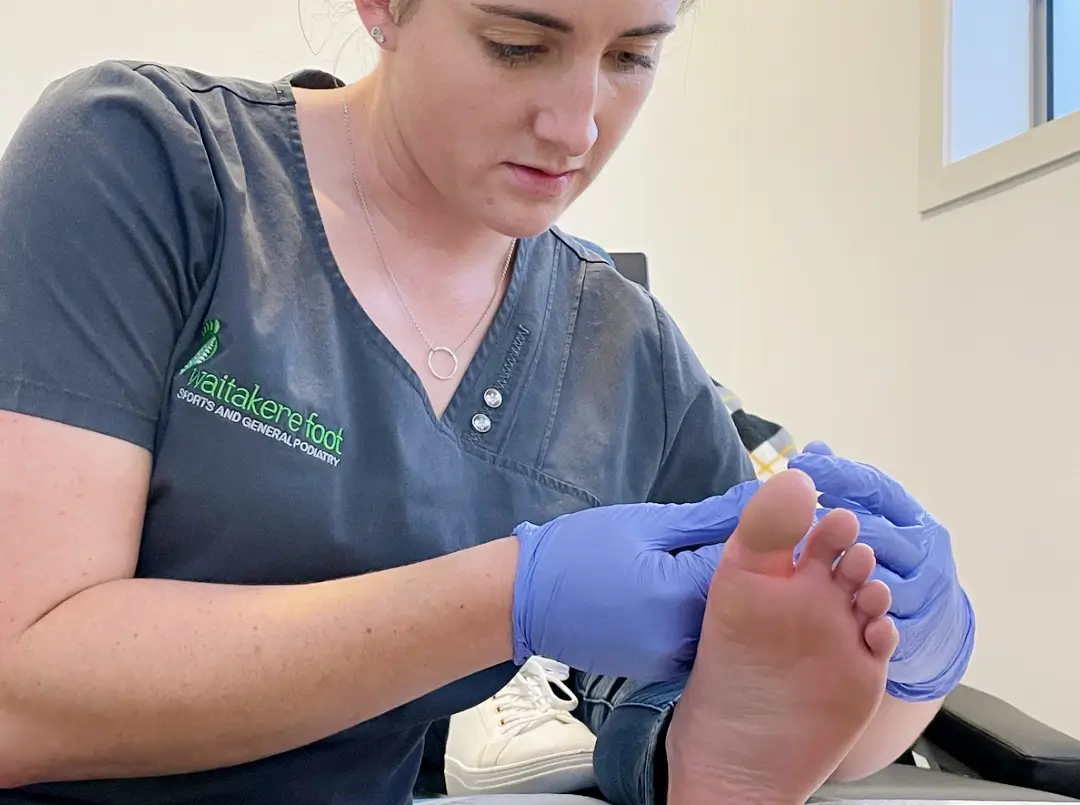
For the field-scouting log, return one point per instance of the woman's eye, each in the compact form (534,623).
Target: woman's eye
(513,54)
(631,62)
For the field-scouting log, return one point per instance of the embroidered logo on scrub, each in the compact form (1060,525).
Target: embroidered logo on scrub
(208,346)
(249,407)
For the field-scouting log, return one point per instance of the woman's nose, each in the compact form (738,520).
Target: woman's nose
(568,119)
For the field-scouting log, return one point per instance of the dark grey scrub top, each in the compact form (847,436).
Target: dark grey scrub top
(165,279)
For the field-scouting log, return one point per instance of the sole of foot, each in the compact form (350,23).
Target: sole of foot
(792,662)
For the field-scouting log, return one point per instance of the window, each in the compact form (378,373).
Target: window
(989,85)
(1064,49)
(1001,93)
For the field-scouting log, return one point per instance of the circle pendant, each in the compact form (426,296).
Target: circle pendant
(431,362)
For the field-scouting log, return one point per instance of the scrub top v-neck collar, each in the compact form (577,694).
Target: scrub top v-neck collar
(524,292)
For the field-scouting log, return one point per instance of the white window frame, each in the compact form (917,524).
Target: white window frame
(1043,147)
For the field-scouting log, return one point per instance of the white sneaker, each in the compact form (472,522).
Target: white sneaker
(523,740)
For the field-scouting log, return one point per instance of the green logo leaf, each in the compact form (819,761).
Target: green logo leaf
(207,347)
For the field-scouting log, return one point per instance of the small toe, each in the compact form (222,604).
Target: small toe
(881,637)
(873,600)
(854,568)
(827,541)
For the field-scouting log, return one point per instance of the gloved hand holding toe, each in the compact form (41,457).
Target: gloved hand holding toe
(914,558)
(621,590)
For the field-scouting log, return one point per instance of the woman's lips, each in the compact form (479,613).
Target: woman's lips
(539,181)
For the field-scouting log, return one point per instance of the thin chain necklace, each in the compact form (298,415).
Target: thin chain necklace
(433,350)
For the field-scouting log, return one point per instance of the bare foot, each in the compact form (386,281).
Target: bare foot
(792,661)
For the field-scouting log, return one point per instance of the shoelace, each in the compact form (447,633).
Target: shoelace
(529,700)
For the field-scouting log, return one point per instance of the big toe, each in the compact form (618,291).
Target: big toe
(775,520)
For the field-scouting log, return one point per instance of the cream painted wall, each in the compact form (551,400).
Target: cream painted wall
(772,180)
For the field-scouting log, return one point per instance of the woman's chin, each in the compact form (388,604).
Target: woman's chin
(517,220)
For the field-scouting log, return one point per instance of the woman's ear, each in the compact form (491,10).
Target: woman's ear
(379,18)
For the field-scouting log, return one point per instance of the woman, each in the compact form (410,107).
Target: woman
(312,423)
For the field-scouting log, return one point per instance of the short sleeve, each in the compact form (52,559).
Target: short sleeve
(106,220)
(703,455)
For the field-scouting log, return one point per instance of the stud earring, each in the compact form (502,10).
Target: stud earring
(378,35)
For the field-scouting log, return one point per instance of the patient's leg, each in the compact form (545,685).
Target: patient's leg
(792,661)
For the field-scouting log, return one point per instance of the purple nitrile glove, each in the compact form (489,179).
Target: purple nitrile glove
(616,589)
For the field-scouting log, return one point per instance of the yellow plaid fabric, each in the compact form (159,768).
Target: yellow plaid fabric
(769,444)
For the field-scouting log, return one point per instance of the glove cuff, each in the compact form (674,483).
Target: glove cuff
(947,680)
(519,613)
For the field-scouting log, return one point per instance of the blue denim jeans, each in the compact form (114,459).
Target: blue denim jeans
(630,721)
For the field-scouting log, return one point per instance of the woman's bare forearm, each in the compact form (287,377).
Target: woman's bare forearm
(144,677)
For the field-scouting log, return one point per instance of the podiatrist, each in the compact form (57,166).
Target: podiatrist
(313,424)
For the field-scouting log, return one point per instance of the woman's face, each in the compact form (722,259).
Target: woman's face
(510,108)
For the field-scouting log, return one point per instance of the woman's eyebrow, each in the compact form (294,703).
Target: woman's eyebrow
(551,22)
